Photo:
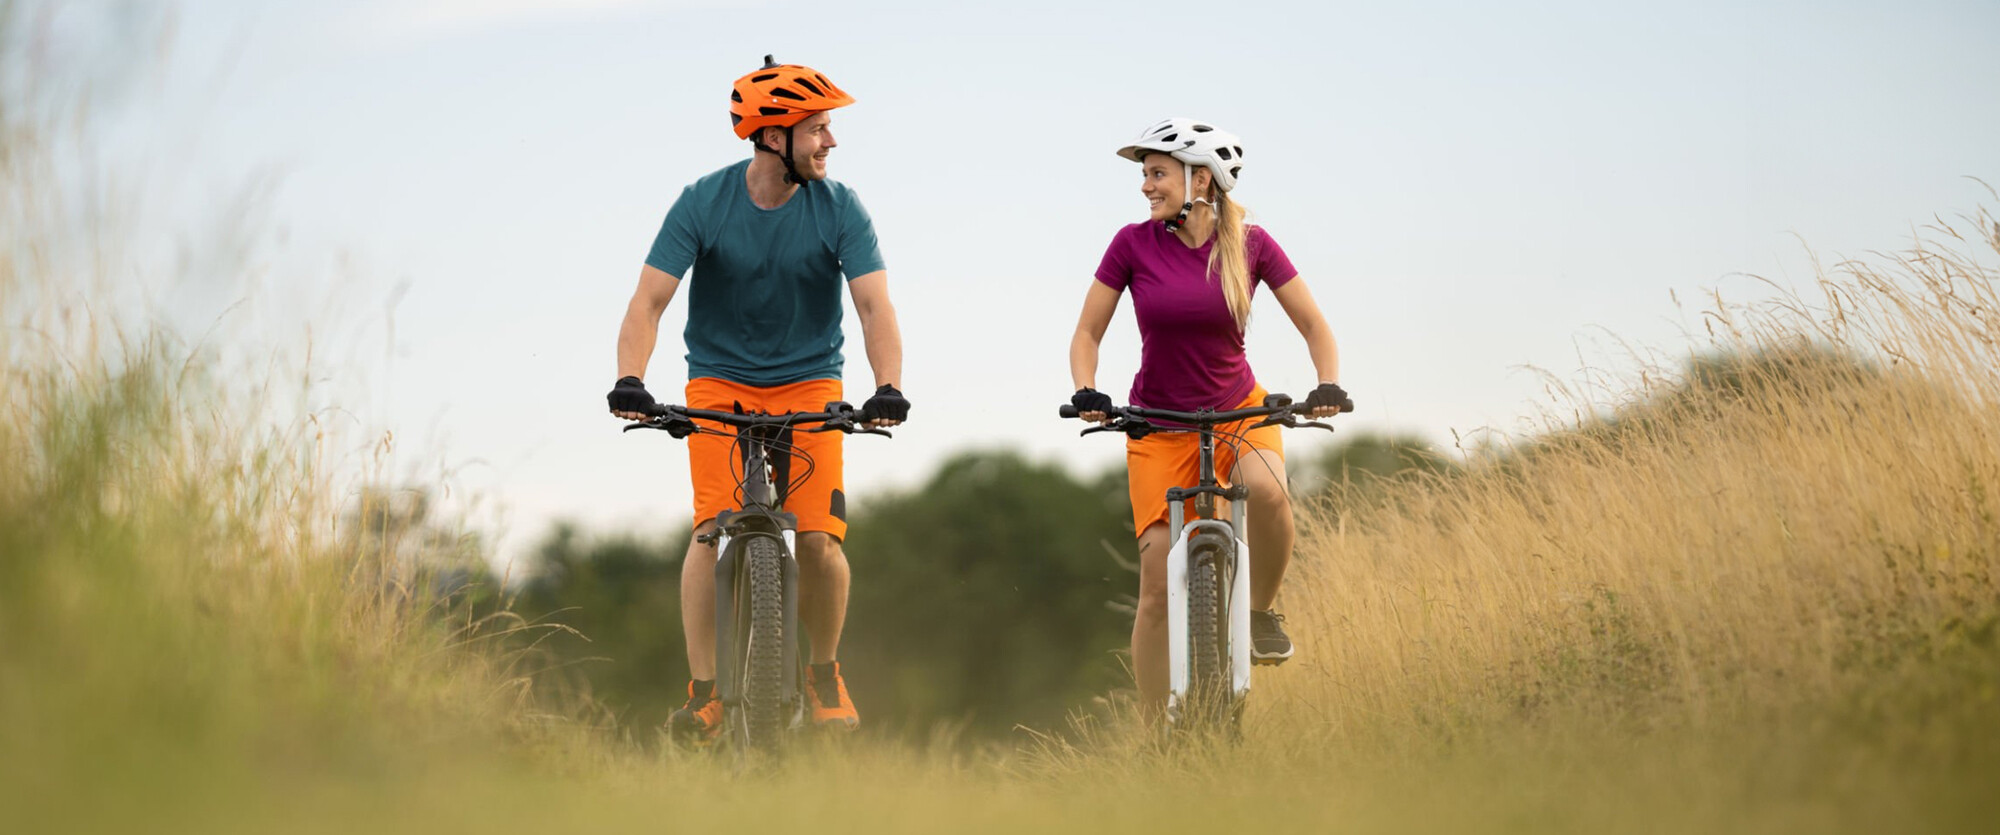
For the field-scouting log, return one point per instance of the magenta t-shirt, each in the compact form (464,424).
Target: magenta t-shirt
(1191,354)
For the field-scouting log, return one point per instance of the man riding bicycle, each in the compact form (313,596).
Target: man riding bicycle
(769,240)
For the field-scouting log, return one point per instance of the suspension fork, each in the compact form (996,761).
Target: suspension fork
(1180,564)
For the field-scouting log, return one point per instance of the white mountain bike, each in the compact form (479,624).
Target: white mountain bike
(1208,568)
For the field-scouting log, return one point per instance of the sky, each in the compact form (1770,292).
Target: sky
(452,198)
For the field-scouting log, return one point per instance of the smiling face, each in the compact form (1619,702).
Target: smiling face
(1163,182)
(812,140)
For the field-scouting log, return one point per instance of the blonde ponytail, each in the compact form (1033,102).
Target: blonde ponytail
(1229,259)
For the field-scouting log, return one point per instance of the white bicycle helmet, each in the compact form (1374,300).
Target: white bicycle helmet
(1193,142)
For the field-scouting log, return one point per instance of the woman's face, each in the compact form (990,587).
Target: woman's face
(1162,185)
(1165,186)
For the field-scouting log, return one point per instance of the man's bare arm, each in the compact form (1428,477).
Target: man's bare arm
(640,331)
(879,330)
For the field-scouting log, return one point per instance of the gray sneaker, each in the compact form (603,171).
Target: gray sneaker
(1268,642)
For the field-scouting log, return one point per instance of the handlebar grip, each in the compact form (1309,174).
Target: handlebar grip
(1068,411)
(659,410)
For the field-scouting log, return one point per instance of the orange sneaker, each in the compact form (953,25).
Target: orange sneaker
(828,691)
(699,722)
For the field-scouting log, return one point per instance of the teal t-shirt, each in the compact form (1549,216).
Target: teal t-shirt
(764,295)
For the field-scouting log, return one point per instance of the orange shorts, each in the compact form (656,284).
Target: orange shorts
(712,459)
(1161,461)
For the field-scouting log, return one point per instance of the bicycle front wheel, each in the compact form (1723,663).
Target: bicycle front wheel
(761,720)
(1208,661)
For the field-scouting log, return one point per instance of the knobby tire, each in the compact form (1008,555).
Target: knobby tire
(764,651)
(1208,663)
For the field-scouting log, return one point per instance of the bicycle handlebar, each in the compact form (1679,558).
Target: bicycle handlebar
(679,421)
(1137,421)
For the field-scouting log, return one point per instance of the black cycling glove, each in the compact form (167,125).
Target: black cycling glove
(1090,400)
(630,395)
(887,404)
(1329,394)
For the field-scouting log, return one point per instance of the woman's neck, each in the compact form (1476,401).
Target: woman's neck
(1199,226)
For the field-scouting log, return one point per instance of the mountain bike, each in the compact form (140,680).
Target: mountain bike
(760,660)
(1208,568)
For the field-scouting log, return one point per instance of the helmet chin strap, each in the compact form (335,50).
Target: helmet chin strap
(1187,188)
(791,173)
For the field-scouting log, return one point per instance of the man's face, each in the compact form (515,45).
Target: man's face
(812,140)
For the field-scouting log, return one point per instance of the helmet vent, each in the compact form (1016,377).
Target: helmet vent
(1202,128)
(1233,172)
(809,85)
(1224,154)
(764,76)
(735,96)
(1239,151)
(772,111)
(782,93)
(1170,137)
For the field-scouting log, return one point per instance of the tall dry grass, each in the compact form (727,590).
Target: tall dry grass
(1785,555)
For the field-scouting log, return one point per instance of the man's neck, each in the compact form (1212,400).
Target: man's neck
(765,179)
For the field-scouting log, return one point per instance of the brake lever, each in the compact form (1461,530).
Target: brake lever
(1284,418)
(677,427)
(850,427)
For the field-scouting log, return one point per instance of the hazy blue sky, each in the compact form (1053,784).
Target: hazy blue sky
(461,193)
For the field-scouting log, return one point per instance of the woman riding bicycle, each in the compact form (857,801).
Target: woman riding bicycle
(1192,268)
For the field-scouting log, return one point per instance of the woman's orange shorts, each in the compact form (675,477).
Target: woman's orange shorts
(1166,460)
(714,467)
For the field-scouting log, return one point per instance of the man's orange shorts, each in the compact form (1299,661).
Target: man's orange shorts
(1165,460)
(714,467)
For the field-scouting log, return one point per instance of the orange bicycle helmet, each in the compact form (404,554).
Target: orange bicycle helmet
(781,95)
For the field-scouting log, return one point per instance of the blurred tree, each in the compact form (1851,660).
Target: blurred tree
(622,593)
(990,595)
